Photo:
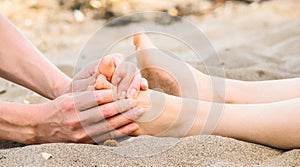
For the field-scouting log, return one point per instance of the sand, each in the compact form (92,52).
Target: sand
(190,151)
(256,42)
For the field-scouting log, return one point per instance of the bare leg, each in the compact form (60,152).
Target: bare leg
(273,124)
(235,91)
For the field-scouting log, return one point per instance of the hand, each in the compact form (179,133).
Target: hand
(122,74)
(83,79)
(78,118)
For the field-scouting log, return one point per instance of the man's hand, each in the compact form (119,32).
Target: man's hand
(83,79)
(78,118)
(124,75)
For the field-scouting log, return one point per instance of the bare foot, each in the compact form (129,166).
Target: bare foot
(173,76)
(149,58)
(166,115)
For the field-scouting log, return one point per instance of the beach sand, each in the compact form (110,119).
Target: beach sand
(256,42)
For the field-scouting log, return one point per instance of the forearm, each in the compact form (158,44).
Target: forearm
(17,122)
(22,63)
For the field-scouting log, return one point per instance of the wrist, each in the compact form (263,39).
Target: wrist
(63,87)
(33,115)
(39,118)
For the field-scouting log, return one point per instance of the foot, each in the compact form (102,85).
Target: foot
(150,60)
(173,76)
(162,115)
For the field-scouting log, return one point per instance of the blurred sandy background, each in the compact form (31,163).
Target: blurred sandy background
(256,41)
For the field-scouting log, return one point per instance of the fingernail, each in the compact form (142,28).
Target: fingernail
(134,127)
(132,93)
(139,111)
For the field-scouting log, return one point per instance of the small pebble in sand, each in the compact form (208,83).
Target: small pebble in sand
(110,143)
(46,156)
(2,89)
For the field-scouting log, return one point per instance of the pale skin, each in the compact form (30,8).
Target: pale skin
(264,112)
(82,116)
(273,122)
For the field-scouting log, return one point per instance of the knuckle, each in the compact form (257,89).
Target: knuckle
(72,124)
(99,96)
(105,110)
(111,124)
(121,73)
(79,136)
(68,104)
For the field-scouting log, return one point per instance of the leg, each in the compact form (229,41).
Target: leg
(273,124)
(236,91)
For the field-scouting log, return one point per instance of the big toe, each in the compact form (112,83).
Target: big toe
(142,41)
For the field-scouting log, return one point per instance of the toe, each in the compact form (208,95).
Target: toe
(142,41)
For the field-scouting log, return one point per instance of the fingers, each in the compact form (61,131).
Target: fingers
(108,110)
(136,84)
(119,120)
(123,77)
(90,99)
(87,135)
(86,72)
(103,119)
(112,125)
(82,84)
(84,79)
(123,131)
(134,87)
